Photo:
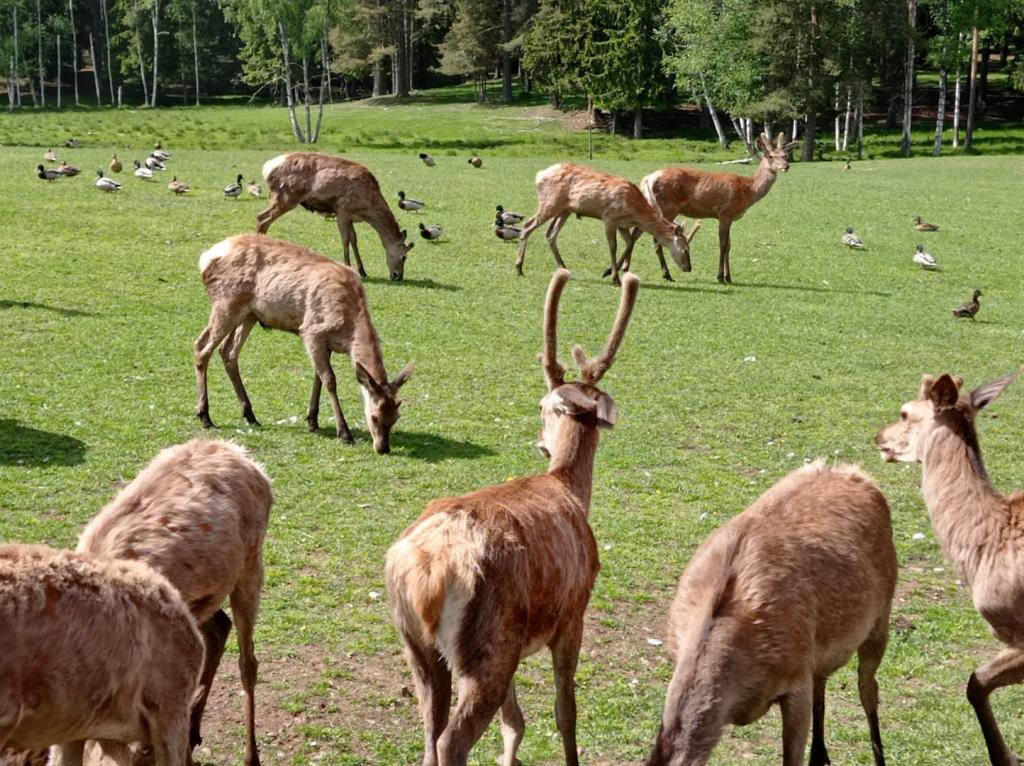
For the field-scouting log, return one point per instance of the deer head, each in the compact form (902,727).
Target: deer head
(679,245)
(775,156)
(938,404)
(381,403)
(581,400)
(396,253)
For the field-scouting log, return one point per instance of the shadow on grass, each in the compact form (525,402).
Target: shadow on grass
(5,304)
(430,448)
(25,446)
(428,284)
(713,288)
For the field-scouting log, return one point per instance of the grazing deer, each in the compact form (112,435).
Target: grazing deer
(480,581)
(337,188)
(977,527)
(771,605)
(251,278)
(565,189)
(700,194)
(198,515)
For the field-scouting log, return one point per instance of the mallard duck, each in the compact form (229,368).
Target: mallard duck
(847,165)
(970,308)
(507,216)
(430,232)
(154,164)
(924,225)
(178,187)
(923,259)
(115,165)
(427,159)
(67,170)
(504,231)
(408,203)
(72,143)
(159,152)
(49,156)
(141,172)
(254,189)
(106,184)
(235,189)
(47,174)
(852,240)
(475,162)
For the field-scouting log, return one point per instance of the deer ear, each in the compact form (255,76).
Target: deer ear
(791,146)
(367,381)
(409,246)
(402,377)
(762,144)
(984,395)
(569,400)
(607,412)
(943,393)
(402,235)
(927,381)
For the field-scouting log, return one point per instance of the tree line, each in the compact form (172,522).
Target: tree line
(773,65)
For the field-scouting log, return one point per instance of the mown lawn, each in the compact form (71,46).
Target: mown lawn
(722,390)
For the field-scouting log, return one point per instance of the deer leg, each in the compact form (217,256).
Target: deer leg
(869,657)
(215,635)
(529,226)
(320,354)
(724,243)
(275,210)
(552,236)
(245,603)
(313,413)
(229,352)
(627,256)
(512,726)
(349,239)
(611,233)
(67,754)
(565,652)
(795,706)
(819,753)
(482,690)
(433,690)
(224,318)
(1004,669)
(355,250)
(169,740)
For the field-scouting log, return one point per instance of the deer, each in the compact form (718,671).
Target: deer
(480,581)
(336,188)
(251,278)
(93,648)
(198,515)
(700,194)
(564,189)
(772,604)
(976,526)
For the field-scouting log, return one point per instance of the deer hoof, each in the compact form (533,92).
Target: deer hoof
(313,424)
(346,437)
(667,277)
(204,419)
(607,272)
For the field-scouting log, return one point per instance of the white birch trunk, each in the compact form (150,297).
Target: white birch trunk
(106,40)
(59,83)
(908,81)
(195,50)
(289,94)
(956,90)
(95,71)
(846,119)
(722,140)
(155,14)
(39,46)
(74,47)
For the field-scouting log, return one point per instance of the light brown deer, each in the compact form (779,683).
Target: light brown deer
(700,194)
(771,605)
(251,278)
(977,527)
(93,649)
(337,188)
(482,580)
(198,515)
(565,189)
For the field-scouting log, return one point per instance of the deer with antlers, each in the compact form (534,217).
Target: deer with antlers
(700,194)
(977,526)
(480,581)
(565,189)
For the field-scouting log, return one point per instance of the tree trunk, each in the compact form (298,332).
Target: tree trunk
(400,60)
(638,123)
(39,47)
(722,140)
(378,78)
(308,102)
(155,13)
(846,119)
(195,50)
(59,84)
(860,124)
(810,135)
(14,59)
(142,69)
(74,47)
(957,89)
(940,111)
(796,126)
(106,42)
(908,79)
(838,136)
(972,94)
(95,71)
(326,64)
(983,80)
(325,82)
(506,56)
(289,95)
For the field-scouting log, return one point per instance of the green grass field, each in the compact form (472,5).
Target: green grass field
(722,390)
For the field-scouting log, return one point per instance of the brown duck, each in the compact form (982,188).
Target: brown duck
(924,225)
(970,308)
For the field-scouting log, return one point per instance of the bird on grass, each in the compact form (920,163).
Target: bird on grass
(115,165)
(159,153)
(852,240)
(475,162)
(106,184)
(72,143)
(430,233)
(847,165)
(254,189)
(507,216)
(427,159)
(178,187)
(408,203)
(46,174)
(154,164)
(924,225)
(67,170)
(49,156)
(505,231)
(925,260)
(235,189)
(970,308)
(143,173)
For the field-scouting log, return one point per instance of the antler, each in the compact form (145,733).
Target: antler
(780,141)
(592,370)
(554,370)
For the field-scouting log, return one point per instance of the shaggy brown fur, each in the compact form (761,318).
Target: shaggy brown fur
(338,188)
(725,196)
(771,605)
(565,189)
(977,526)
(251,278)
(198,515)
(93,649)
(480,581)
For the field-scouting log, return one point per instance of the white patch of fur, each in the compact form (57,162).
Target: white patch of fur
(271,165)
(452,615)
(547,172)
(647,188)
(219,250)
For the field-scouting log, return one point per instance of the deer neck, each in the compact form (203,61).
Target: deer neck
(365,349)
(969,516)
(761,182)
(572,459)
(383,222)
